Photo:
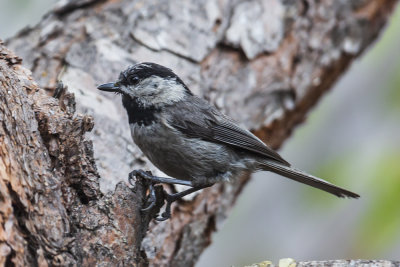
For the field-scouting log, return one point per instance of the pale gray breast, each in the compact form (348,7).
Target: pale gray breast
(179,156)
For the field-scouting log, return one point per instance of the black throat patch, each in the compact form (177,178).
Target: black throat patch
(138,114)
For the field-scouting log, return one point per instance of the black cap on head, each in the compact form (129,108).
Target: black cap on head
(141,71)
(144,70)
(133,74)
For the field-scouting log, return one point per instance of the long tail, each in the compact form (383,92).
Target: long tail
(307,179)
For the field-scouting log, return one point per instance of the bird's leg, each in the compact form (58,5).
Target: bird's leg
(173,197)
(168,197)
(156,179)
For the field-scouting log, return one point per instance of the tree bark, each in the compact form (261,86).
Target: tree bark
(265,63)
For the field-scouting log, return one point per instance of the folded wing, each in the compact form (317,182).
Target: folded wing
(200,120)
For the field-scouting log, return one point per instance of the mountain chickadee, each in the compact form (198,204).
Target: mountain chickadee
(189,139)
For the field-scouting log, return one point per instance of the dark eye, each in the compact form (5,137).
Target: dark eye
(133,80)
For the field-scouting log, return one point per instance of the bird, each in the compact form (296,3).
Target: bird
(190,140)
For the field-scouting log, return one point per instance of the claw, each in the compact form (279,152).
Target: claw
(131,176)
(150,206)
(164,216)
(152,198)
(167,213)
(160,219)
(170,198)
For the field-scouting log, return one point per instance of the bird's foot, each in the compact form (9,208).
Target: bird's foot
(156,179)
(167,213)
(151,198)
(133,174)
(169,198)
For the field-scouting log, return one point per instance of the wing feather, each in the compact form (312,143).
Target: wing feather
(201,120)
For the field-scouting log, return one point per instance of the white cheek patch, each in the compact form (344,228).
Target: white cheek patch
(156,90)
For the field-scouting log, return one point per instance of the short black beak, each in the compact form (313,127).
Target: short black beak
(108,87)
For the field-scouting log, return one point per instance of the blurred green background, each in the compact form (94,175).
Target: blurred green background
(351,138)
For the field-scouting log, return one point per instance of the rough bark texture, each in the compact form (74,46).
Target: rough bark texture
(265,63)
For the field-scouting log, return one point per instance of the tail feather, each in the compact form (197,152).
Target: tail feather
(308,179)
